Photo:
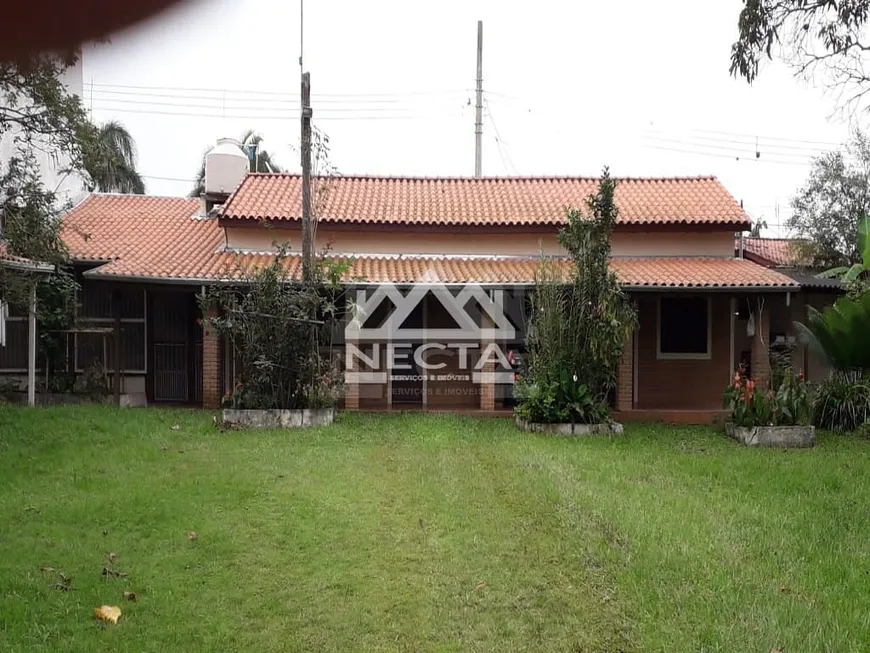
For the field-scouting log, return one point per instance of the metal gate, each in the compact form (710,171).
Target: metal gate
(170,372)
(171,358)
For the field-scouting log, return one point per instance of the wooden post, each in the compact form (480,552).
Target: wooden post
(31,347)
(307,226)
(116,310)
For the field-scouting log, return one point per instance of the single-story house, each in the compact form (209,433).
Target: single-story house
(703,310)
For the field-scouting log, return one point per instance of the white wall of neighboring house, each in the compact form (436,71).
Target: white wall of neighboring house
(53,165)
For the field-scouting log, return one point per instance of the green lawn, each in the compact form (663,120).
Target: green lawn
(425,533)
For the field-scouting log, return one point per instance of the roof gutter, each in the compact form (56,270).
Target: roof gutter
(525,284)
(45,268)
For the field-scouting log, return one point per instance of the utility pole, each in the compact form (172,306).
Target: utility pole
(478,108)
(307,227)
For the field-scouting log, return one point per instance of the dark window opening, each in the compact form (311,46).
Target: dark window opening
(684,326)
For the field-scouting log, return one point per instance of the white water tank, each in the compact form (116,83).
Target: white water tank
(225,167)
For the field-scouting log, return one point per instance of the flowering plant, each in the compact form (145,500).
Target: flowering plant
(752,406)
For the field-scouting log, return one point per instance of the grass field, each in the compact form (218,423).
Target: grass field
(425,533)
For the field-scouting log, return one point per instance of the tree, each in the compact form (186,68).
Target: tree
(259,160)
(827,210)
(578,324)
(110,159)
(38,114)
(824,37)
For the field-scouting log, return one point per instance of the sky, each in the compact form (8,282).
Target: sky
(569,87)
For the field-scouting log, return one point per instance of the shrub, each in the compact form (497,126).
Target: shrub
(278,327)
(789,405)
(842,404)
(837,336)
(553,403)
(793,406)
(578,322)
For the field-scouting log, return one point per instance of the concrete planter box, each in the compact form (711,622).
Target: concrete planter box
(571,430)
(279,419)
(773,436)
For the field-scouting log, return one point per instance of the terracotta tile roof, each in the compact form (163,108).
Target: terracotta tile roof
(163,239)
(484,202)
(632,272)
(141,232)
(22,263)
(773,252)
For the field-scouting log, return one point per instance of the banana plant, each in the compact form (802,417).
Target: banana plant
(850,274)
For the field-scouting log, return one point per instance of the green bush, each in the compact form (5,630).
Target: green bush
(788,405)
(842,404)
(564,401)
(578,323)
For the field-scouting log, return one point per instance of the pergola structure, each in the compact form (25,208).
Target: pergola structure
(36,271)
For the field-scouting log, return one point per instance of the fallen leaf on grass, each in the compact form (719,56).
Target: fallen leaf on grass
(64,583)
(480,585)
(108,613)
(175,427)
(48,569)
(112,556)
(130,596)
(192,536)
(111,573)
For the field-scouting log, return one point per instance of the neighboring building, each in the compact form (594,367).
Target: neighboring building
(54,166)
(142,260)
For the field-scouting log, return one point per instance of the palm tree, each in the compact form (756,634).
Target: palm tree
(259,160)
(110,159)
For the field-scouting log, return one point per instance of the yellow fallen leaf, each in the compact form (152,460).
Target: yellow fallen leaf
(110,613)
(192,536)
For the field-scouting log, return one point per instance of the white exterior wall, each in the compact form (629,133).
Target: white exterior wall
(67,186)
(507,244)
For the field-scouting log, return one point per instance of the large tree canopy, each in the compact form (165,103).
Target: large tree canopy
(825,37)
(827,210)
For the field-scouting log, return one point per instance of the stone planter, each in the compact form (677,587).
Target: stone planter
(279,419)
(570,430)
(773,436)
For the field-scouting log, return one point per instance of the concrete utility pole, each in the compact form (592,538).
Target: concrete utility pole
(307,227)
(478,108)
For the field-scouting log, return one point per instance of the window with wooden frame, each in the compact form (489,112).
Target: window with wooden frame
(684,328)
(97,311)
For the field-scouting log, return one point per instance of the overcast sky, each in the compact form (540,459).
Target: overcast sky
(569,87)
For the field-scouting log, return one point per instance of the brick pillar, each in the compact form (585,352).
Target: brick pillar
(487,385)
(351,396)
(211,367)
(760,349)
(625,377)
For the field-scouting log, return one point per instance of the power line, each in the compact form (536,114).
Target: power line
(186,181)
(269,117)
(279,93)
(752,154)
(219,107)
(724,156)
(499,142)
(753,143)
